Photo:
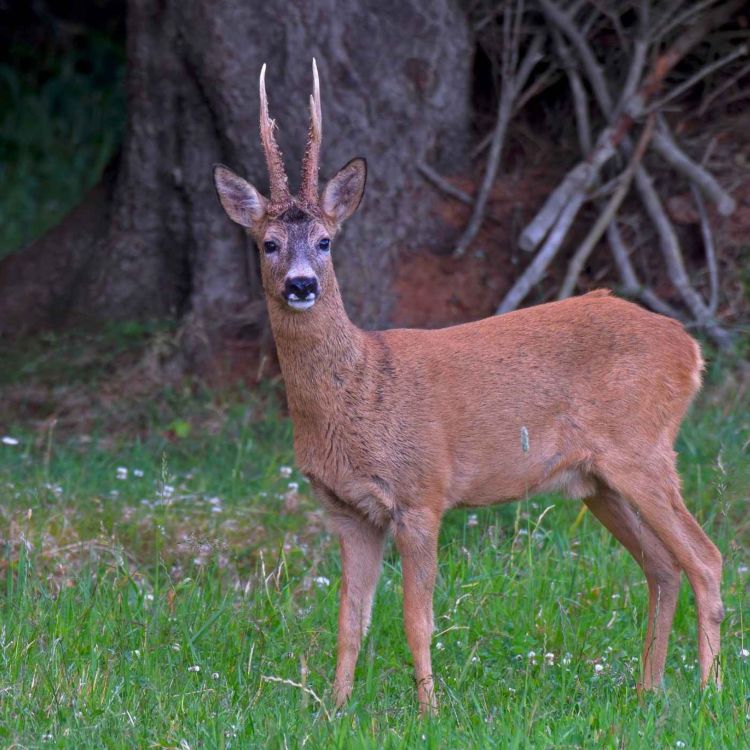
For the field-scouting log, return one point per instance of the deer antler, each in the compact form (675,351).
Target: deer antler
(311,160)
(277,176)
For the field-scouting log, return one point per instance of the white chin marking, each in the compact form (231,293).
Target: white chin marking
(300,304)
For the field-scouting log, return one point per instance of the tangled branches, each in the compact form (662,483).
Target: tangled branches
(619,102)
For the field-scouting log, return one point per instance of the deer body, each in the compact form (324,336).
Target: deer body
(394,428)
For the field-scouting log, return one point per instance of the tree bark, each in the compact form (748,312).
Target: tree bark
(152,239)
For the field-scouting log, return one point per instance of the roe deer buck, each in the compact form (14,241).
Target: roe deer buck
(394,428)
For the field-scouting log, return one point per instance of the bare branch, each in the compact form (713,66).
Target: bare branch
(670,249)
(513,82)
(575,184)
(725,86)
(632,287)
(564,21)
(708,244)
(586,247)
(580,98)
(671,19)
(543,258)
(671,152)
(701,74)
(442,184)
(436,179)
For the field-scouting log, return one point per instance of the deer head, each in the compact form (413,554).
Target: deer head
(293,233)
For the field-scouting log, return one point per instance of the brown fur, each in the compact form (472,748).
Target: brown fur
(394,428)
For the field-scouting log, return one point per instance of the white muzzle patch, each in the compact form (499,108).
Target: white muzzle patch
(301,304)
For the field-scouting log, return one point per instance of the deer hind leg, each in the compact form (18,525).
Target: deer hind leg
(662,576)
(653,491)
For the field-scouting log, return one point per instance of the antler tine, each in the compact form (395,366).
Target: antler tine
(276,174)
(311,160)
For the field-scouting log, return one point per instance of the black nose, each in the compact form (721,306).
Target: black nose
(301,286)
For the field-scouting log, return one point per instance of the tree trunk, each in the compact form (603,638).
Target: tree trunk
(152,239)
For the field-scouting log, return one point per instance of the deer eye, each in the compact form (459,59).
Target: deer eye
(324,244)
(270,246)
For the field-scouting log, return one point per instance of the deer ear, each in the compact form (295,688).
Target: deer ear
(344,191)
(242,202)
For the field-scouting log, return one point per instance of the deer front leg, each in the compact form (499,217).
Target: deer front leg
(361,557)
(416,537)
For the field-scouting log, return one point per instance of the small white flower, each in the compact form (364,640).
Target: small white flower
(472,520)
(149,597)
(176,647)
(679,743)
(137,472)
(122,472)
(598,668)
(439,646)
(137,652)
(744,653)
(8,440)
(194,668)
(285,471)
(742,568)
(531,654)
(322,581)
(474,659)
(549,658)
(293,486)
(215,676)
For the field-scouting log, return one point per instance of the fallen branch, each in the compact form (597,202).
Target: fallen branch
(443,185)
(605,217)
(708,244)
(679,160)
(300,686)
(631,286)
(436,179)
(670,249)
(700,75)
(535,270)
(512,82)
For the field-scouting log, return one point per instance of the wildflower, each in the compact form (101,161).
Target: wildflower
(293,486)
(149,597)
(137,472)
(122,472)
(679,743)
(472,520)
(194,668)
(549,658)
(215,676)
(322,581)
(598,668)
(285,471)
(474,659)
(8,440)
(439,646)
(742,569)
(176,647)
(744,653)
(531,654)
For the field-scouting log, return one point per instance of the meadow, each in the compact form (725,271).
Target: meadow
(167,581)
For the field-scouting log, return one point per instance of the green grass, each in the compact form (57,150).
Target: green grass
(114,590)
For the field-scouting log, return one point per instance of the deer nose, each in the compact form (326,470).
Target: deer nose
(301,287)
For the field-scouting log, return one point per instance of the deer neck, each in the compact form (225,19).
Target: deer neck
(318,352)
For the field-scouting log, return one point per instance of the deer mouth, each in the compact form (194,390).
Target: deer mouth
(300,304)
